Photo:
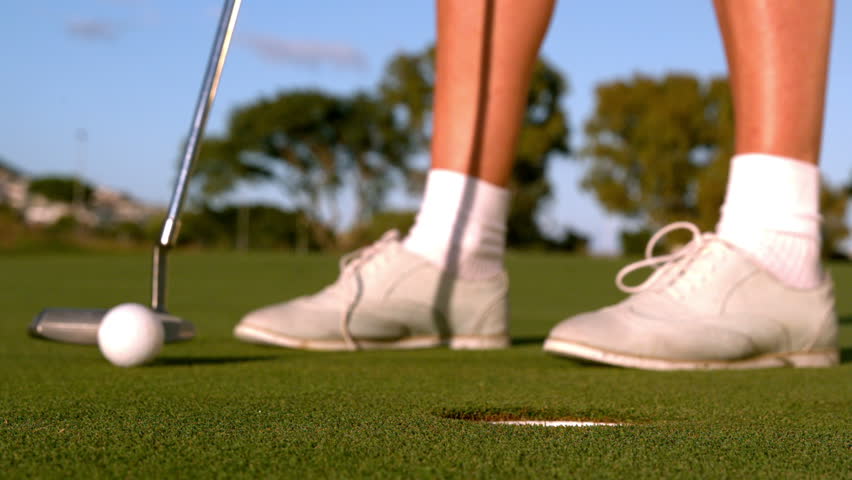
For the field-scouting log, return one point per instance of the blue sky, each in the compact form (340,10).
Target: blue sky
(128,72)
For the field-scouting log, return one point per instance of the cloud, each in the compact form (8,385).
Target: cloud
(142,12)
(92,29)
(310,53)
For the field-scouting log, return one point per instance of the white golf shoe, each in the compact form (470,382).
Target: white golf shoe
(387,298)
(707,306)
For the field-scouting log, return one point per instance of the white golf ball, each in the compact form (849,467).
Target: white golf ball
(130,335)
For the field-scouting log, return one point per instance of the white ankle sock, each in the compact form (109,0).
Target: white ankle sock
(461,225)
(771,211)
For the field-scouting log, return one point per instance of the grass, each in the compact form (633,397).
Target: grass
(216,407)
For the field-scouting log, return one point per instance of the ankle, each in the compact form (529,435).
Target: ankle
(776,222)
(461,226)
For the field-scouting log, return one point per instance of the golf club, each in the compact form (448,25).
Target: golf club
(71,325)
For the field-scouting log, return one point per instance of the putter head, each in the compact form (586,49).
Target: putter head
(80,326)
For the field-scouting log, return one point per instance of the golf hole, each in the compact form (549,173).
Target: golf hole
(525,417)
(556,423)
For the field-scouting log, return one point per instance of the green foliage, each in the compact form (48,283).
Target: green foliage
(408,85)
(257,226)
(65,226)
(61,189)
(569,242)
(833,204)
(8,214)
(128,233)
(7,167)
(659,151)
(543,136)
(11,226)
(311,144)
(633,242)
(371,231)
(659,148)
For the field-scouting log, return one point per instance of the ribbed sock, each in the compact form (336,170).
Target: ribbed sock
(771,212)
(461,225)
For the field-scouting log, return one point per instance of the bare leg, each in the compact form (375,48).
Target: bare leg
(486,53)
(778,59)
(777,54)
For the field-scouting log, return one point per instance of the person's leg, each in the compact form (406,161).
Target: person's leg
(445,282)
(486,53)
(485,58)
(778,59)
(753,295)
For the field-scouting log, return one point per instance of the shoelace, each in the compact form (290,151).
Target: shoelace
(350,265)
(673,264)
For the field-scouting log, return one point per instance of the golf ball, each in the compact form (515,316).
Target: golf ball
(130,335)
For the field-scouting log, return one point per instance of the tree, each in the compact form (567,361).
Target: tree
(6,167)
(659,148)
(833,205)
(61,189)
(408,86)
(659,151)
(312,144)
(271,227)
(381,222)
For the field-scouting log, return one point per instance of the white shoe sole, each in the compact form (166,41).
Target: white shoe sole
(251,334)
(826,358)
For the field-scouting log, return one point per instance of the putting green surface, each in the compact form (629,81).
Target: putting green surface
(216,407)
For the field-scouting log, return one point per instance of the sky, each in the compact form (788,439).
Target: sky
(127,73)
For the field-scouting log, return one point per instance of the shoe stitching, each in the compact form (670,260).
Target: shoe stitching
(350,266)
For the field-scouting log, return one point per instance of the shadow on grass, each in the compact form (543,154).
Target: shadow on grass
(190,361)
(518,341)
(846,353)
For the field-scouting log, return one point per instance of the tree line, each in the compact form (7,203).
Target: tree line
(313,145)
(656,150)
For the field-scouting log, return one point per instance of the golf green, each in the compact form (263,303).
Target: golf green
(217,407)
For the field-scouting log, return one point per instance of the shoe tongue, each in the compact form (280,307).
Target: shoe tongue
(391,235)
(684,272)
(713,244)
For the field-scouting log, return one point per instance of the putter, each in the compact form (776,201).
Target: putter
(74,325)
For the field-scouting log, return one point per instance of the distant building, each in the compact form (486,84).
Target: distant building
(111,206)
(40,211)
(13,188)
(106,207)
